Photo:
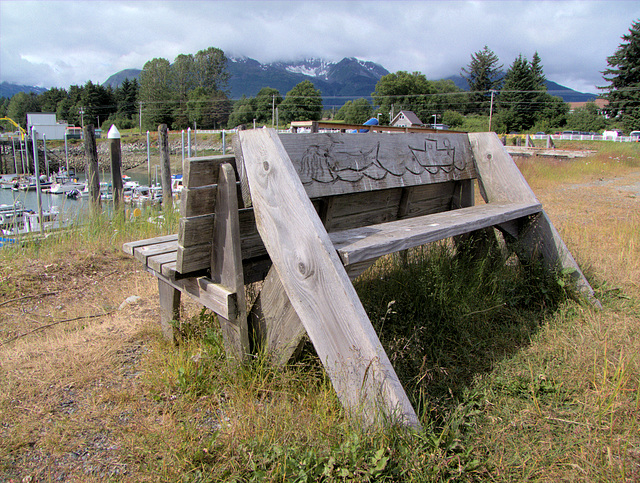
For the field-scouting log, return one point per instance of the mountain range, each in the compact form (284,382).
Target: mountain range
(9,90)
(338,82)
(350,78)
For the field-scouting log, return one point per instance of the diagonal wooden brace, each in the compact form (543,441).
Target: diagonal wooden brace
(318,286)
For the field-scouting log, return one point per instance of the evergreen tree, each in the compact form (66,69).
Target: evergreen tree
(155,93)
(4,105)
(483,76)
(97,102)
(302,103)
(20,104)
(623,75)
(244,112)
(537,72)
(517,100)
(49,99)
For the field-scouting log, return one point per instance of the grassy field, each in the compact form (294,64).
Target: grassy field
(513,377)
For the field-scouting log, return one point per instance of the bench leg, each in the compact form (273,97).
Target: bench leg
(276,327)
(169,308)
(540,238)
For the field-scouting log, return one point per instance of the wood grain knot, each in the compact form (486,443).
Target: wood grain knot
(304,270)
(265,165)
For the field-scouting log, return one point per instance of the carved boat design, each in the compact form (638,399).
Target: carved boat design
(433,158)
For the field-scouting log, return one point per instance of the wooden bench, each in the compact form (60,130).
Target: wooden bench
(312,211)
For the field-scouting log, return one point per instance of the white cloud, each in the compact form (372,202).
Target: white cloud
(60,43)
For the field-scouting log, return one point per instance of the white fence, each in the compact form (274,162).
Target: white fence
(585,137)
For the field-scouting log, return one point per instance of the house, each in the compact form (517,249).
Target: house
(406,119)
(45,123)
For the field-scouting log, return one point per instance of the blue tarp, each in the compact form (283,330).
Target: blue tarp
(371,122)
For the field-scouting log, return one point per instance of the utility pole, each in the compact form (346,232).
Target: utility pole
(81,111)
(140,117)
(273,110)
(491,109)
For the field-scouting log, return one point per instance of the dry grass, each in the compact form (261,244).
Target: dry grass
(105,399)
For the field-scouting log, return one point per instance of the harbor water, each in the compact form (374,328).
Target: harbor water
(69,208)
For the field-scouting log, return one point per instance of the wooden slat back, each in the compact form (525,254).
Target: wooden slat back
(338,163)
(354,180)
(197,205)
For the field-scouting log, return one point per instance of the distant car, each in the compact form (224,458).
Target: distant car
(635,136)
(540,133)
(612,135)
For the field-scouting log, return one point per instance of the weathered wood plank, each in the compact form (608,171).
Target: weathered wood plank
(499,178)
(203,171)
(318,286)
(214,296)
(157,261)
(374,241)
(169,270)
(193,258)
(226,264)
(276,324)
(195,230)
(129,247)
(169,308)
(197,201)
(142,253)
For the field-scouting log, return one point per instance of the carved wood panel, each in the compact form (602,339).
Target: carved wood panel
(335,163)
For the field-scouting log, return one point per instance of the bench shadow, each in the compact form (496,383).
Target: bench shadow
(444,318)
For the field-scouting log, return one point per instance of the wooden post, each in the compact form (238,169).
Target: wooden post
(165,164)
(116,163)
(226,264)
(529,142)
(550,144)
(91,162)
(36,168)
(169,308)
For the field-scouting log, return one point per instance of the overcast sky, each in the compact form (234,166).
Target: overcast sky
(61,43)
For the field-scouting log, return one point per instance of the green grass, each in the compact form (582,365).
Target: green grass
(445,320)
(512,377)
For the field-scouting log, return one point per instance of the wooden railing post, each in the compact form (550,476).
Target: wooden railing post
(91,159)
(165,164)
(116,163)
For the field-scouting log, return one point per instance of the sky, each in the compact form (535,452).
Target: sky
(63,43)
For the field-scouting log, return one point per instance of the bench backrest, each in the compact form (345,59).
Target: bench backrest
(353,180)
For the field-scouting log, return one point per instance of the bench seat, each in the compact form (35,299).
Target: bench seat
(367,243)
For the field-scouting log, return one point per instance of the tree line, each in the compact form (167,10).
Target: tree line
(193,92)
